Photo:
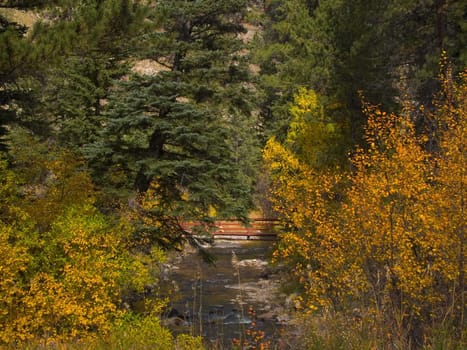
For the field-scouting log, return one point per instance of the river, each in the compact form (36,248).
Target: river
(234,300)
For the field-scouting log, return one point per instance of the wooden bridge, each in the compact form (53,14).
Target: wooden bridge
(258,229)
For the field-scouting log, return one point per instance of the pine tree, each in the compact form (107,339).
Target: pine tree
(174,136)
(387,49)
(283,54)
(97,39)
(14,62)
(56,75)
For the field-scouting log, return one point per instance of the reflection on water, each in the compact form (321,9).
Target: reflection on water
(223,301)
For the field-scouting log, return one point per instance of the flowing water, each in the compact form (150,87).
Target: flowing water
(234,299)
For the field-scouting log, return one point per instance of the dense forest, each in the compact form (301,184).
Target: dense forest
(122,119)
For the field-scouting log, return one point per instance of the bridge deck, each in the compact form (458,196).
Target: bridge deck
(259,229)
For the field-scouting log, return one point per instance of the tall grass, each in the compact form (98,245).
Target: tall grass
(359,331)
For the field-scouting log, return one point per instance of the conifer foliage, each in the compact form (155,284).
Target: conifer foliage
(14,60)
(173,132)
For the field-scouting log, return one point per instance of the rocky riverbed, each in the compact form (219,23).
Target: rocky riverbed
(221,301)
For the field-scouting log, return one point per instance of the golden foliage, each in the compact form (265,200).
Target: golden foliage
(71,287)
(392,238)
(64,266)
(67,182)
(313,136)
